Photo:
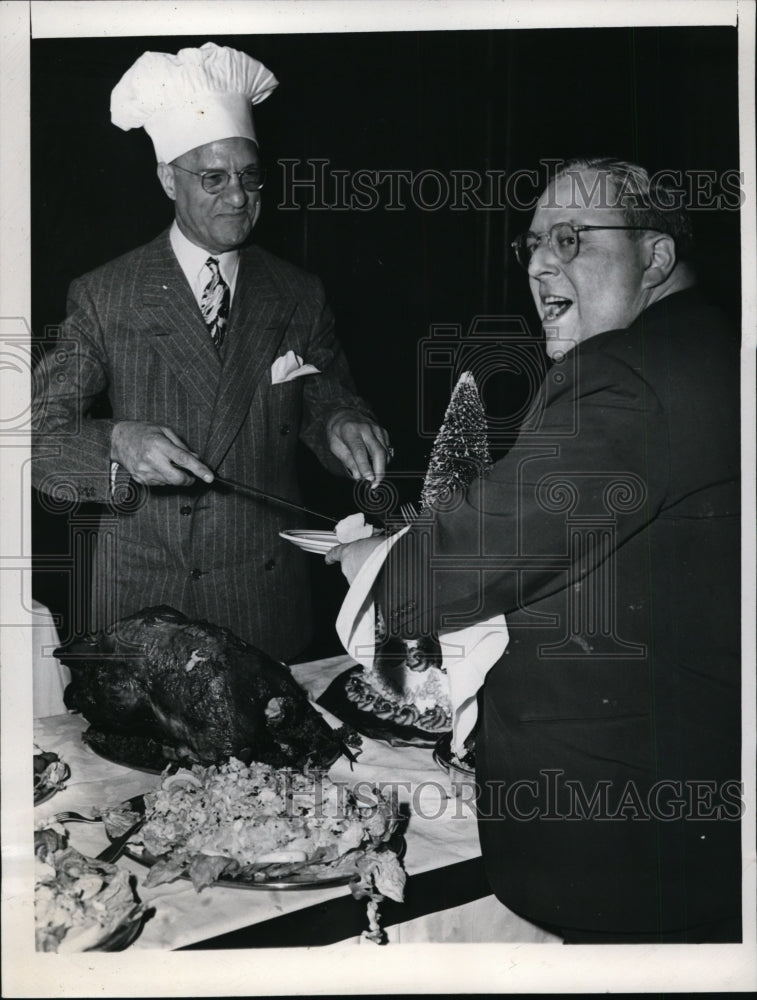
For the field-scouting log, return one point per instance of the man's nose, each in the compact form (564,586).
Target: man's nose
(543,261)
(235,194)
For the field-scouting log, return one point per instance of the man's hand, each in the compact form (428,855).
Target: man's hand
(359,444)
(155,456)
(354,554)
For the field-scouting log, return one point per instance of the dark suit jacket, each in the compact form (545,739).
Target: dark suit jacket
(133,328)
(609,537)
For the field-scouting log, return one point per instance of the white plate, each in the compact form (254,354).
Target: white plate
(311,541)
(318,877)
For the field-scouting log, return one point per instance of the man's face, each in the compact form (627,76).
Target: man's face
(601,288)
(223,221)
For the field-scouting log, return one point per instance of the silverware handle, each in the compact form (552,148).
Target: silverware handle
(117,847)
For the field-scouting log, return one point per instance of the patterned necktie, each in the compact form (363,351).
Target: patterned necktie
(214,304)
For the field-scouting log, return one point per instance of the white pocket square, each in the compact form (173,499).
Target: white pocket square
(290,366)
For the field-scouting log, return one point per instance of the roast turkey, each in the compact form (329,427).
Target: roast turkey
(161,683)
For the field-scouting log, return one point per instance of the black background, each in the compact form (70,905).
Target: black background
(483,100)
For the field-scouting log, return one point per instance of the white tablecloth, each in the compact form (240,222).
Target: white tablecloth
(442,830)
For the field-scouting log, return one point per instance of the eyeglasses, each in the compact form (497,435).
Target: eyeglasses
(562,239)
(214,181)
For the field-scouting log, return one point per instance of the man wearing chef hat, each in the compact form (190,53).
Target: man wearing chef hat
(216,357)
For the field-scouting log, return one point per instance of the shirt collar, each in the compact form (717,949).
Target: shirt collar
(192,259)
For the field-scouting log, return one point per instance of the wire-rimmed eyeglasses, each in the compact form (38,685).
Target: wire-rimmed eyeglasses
(562,239)
(214,181)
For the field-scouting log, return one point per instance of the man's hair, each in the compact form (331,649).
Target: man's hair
(644,201)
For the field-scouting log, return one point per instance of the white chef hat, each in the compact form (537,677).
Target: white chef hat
(192,98)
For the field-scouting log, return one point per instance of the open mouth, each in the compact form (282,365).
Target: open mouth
(554,307)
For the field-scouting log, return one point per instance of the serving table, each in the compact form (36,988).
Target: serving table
(446,896)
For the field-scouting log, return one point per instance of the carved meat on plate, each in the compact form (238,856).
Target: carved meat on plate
(195,691)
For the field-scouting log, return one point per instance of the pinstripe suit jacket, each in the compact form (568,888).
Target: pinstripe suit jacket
(134,329)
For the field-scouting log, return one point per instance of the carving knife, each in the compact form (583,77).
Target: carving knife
(256,494)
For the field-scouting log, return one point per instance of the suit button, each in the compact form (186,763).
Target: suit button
(196,574)
(285,428)
(270,564)
(186,510)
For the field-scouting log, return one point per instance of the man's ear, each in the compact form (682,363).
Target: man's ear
(660,255)
(166,177)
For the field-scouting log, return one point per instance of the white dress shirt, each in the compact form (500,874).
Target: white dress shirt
(192,259)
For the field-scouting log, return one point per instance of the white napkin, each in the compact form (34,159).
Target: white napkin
(49,676)
(290,366)
(467,654)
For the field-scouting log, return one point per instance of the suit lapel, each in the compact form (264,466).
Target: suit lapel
(175,325)
(260,313)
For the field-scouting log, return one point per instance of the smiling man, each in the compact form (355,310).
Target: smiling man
(608,741)
(216,224)
(216,357)
(622,268)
